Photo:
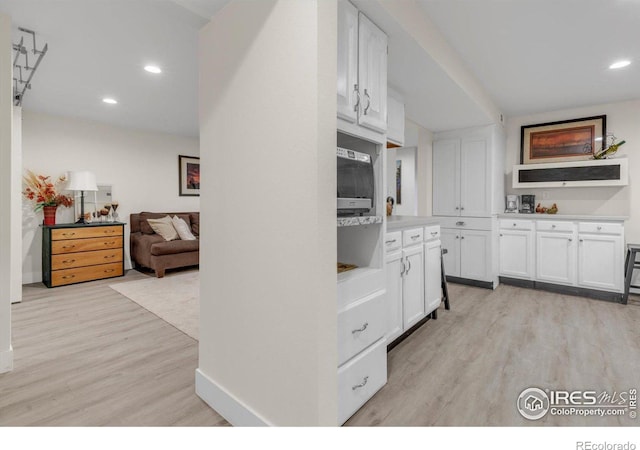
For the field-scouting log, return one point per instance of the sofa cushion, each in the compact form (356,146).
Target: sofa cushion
(195,224)
(173,247)
(146,228)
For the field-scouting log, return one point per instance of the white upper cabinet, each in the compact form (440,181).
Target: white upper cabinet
(362,75)
(372,75)
(347,61)
(468,175)
(395,120)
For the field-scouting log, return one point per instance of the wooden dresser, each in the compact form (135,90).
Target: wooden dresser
(74,253)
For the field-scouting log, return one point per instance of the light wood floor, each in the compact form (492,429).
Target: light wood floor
(468,367)
(86,355)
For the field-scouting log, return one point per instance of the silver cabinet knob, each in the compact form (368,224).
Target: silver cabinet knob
(599,228)
(461,208)
(570,240)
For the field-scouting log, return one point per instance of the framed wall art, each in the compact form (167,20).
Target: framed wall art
(189,175)
(567,140)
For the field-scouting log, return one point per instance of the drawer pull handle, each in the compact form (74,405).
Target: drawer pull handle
(599,228)
(433,233)
(109,231)
(404,268)
(109,270)
(68,277)
(360,330)
(110,243)
(69,234)
(363,384)
(553,226)
(581,240)
(68,261)
(109,256)
(390,242)
(460,224)
(68,246)
(415,236)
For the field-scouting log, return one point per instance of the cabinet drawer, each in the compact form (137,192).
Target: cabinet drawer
(360,379)
(466,223)
(516,224)
(84,245)
(77,275)
(554,225)
(412,237)
(600,228)
(360,325)
(71,260)
(393,241)
(432,232)
(87,232)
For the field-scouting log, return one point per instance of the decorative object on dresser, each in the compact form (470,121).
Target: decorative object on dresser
(151,250)
(74,253)
(45,195)
(83,181)
(566,140)
(189,170)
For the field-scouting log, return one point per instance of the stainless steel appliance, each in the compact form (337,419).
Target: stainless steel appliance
(528,204)
(356,184)
(513,204)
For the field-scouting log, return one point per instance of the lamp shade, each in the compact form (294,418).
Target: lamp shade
(82,181)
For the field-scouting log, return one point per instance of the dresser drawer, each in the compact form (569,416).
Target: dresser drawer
(79,274)
(516,224)
(412,237)
(71,260)
(432,232)
(360,379)
(86,232)
(393,241)
(600,228)
(555,225)
(361,324)
(85,245)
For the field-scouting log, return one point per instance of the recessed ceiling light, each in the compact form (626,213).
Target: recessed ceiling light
(153,69)
(620,64)
(111,101)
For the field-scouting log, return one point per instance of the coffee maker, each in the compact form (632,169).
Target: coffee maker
(513,204)
(528,204)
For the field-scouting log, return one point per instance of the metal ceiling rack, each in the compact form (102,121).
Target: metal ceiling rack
(21,62)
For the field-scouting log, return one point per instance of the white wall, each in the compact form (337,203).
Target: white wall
(141,166)
(622,119)
(409,205)
(268,340)
(16,206)
(7,191)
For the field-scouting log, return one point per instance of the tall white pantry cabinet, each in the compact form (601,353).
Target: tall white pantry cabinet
(468,193)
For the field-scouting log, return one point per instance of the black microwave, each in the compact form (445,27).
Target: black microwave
(356,184)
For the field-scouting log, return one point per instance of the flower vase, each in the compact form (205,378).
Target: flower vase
(49,215)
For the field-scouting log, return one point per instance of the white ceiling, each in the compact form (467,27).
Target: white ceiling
(530,55)
(544,55)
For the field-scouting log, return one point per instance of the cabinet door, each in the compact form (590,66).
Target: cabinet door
(432,276)
(600,262)
(446,178)
(451,241)
(475,189)
(413,286)
(516,254)
(394,268)
(395,121)
(555,257)
(372,75)
(347,61)
(475,255)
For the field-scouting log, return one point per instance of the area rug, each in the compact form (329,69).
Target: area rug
(174,298)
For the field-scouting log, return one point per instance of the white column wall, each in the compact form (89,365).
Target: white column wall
(268,345)
(6,192)
(15,292)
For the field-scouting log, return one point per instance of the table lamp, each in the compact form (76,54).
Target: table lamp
(82,181)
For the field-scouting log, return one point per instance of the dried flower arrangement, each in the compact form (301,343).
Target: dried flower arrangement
(43,192)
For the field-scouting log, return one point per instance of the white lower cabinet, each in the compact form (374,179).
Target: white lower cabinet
(394,270)
(600,262)
(556,257)
(469,254)
(517,249)
(413,286)
(451,242)
(360,378)
(432,276)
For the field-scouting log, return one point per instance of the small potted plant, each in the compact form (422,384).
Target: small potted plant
(46,195)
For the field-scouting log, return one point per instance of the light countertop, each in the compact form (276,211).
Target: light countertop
(398,222)
(587,217)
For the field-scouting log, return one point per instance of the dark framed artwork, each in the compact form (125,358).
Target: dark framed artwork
(567,140)
(399,182)
(189,175)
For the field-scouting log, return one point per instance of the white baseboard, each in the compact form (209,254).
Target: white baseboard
(6,360)
(225,404)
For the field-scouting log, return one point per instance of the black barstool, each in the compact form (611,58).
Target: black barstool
(630,264)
